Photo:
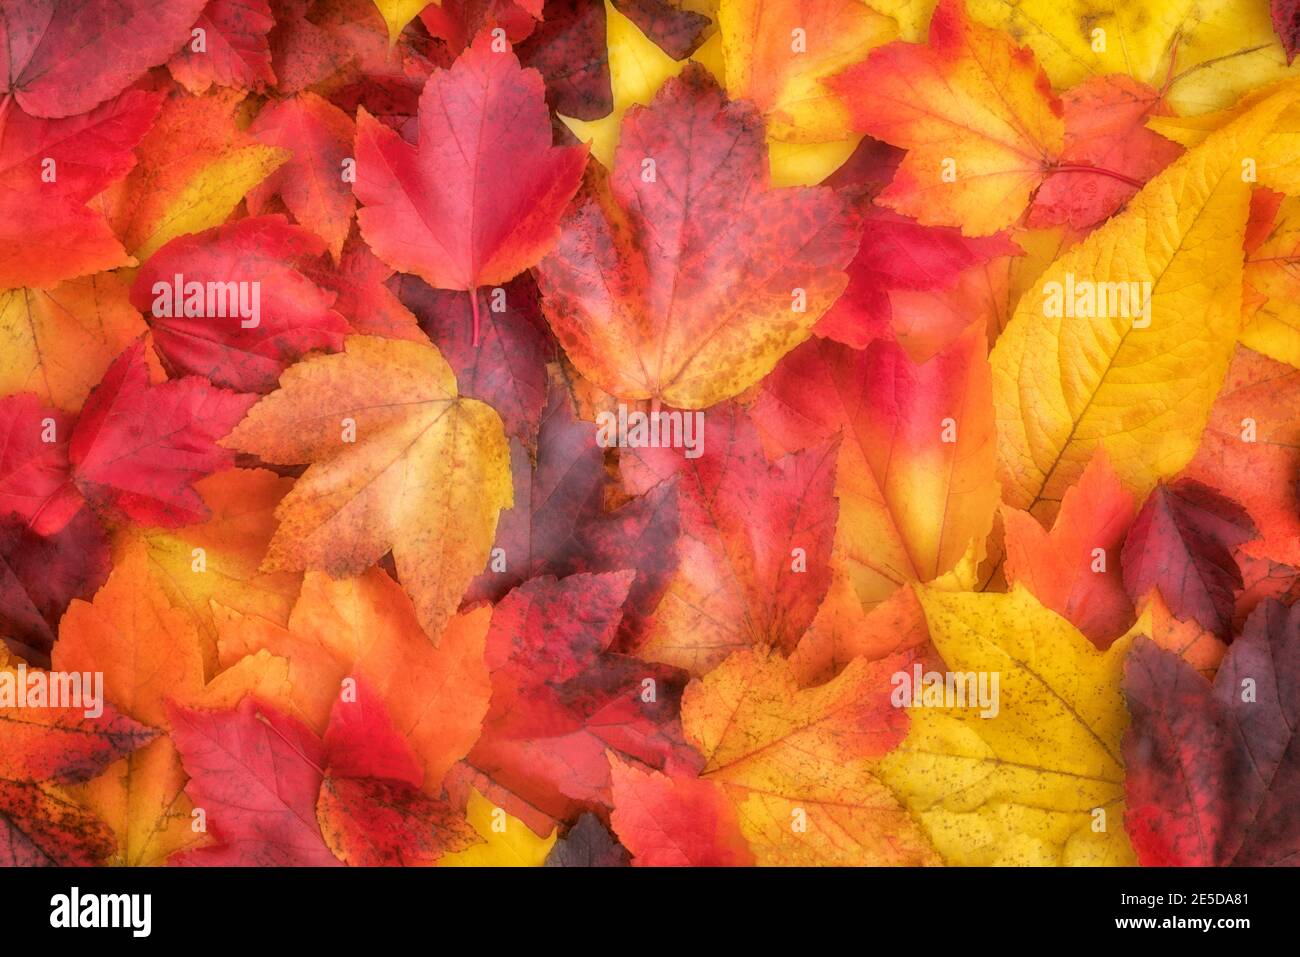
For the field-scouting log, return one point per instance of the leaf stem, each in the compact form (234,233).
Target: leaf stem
(1099,170)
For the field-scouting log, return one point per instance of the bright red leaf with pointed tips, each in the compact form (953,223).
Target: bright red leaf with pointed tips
(478,199)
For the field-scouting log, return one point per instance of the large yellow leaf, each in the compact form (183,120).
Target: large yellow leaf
(1042,780)
(1210,50)
(1140,384)
(801,766)
(399,461)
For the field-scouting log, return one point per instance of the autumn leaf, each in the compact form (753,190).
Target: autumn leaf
(416,216)
(561,697)
(1074,569)
(560,524)
(41,574)
(41,749)
(676,821)
(711,313)
(420,470)
(256,773)
(138,448)
(1139,381)
(568,50)
(778,751)
(1211,766)
(366,628)
(915,474)
(1181,542)
(506,367)
(506,842)
(398,13)
(313,183)
(755,545)
(61,341)
(975,113)
(235,50)
(1205,56)
(1250,451)
(274,314)
(196,165)
(1035,775)
(1273,323)
(588,844)
(778,53)
(216,562)
(1108,153)
(637,69)
(897,256)
(49,171)
(371,810)
(66,58)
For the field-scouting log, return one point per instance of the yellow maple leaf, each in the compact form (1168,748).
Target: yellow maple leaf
(800,766)
(1140,378)
(507,841)
(1037,777)
(399,461)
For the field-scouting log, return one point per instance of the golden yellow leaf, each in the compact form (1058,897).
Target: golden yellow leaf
(399,461)
(1137,378)
(1040,780)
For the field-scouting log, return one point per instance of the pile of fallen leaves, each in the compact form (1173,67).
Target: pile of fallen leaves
(364,580)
